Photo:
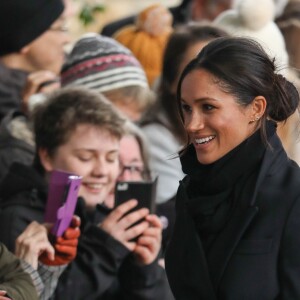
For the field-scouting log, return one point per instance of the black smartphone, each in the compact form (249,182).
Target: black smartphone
(143,191)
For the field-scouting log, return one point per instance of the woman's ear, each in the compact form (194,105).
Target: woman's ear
(25,49)
(45,159)
(258,108)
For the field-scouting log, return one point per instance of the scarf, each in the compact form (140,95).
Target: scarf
(213,189)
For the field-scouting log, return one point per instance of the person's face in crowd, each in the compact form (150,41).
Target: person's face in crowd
(131,162)
(47,51)
(129,109)
(190,53)
(126,104)
(215,122)
(92,153)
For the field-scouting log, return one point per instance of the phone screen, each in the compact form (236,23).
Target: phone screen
(143,191)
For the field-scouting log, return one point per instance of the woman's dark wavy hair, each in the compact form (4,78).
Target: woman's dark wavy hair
(242,68)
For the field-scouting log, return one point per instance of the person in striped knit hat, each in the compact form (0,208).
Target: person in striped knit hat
(101,63)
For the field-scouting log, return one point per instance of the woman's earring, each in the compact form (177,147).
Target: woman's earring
(255,119)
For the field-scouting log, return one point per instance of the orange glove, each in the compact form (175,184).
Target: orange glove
(65,246)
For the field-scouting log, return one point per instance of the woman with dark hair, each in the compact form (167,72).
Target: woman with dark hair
(236,234)
(161,124)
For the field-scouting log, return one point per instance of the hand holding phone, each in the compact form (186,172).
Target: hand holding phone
(124,223)
(65,246)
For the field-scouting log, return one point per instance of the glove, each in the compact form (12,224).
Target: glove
(65,246)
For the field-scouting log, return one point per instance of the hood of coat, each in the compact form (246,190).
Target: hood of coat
(21,178)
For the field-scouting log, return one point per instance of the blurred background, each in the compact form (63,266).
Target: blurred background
(92,15)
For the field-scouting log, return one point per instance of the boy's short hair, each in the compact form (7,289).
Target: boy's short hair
(65,109)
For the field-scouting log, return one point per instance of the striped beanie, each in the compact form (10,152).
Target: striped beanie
(102,64)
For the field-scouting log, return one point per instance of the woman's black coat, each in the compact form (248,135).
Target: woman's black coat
(257,254)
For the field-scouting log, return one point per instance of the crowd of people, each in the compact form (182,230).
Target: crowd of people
(204,98)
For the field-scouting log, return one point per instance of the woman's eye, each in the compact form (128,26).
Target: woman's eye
(185,107)
(208,107)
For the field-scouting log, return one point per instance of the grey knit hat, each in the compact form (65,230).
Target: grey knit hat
(22,21)
(101,63)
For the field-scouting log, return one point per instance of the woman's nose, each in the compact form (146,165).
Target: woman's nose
(194,123)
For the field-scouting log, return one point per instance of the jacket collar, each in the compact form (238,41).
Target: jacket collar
(242,218)
(189,258)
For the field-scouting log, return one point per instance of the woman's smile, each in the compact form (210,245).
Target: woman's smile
(204,144)
(204,140)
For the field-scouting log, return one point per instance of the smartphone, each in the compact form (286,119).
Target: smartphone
(61,200)
(143,191)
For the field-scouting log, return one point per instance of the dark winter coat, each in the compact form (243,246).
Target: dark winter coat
(16,145)
(11,85)
(13,147)
(256,256)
